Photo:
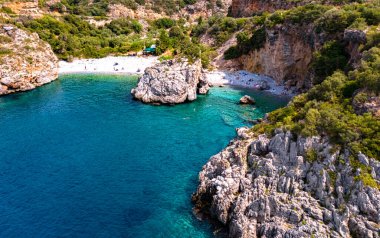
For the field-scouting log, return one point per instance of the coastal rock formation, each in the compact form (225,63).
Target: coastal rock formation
(25,8)
(200,8)
(354,39)
(287,186)
(246,8)
(26,61)
(171,82)
(246,100)
(366,102)
(287,54)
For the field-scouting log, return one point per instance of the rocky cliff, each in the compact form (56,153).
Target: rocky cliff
(200,8)
(248,8)
(287,186)
(286,55)
(26,61)
(288,51)
(171,82)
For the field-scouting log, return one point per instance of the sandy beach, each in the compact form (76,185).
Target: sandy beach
(137,65)
(246,79)
(111,64)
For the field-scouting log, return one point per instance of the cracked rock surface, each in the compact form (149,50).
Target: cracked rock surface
(262,186)
(171,82)
(26,61)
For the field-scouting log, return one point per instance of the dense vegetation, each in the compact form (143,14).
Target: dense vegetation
(324,19)
(73,37)
(101,7)
(327,109)
(218,27)
(174,37)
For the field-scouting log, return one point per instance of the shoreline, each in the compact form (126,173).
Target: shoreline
(136,65)
(245,79)
(108,65)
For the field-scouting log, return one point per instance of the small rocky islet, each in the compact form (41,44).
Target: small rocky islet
(171,82)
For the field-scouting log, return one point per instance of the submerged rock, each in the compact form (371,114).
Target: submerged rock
(247,100)
(262,186)
(26,61)
(171,82)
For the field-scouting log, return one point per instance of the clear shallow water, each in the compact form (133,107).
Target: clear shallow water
(80,158)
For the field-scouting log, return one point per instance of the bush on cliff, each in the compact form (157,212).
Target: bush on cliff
(246,43)
(331,57)
(73,37)
(327,109)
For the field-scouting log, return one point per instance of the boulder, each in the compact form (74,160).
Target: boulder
(247,100)
(171,82)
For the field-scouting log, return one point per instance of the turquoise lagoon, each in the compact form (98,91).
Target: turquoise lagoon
(80,158)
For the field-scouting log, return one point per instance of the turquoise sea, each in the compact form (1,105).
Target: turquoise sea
(80,158)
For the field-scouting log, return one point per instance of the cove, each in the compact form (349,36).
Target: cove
(80,158)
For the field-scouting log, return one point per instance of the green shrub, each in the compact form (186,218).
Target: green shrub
(5,39)
(331,57)
(164,23)
(245,43)
(73,37)
(6,10)
(232,53)
(5,51)
(311,156)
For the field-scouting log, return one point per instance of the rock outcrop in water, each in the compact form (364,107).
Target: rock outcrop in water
(171,82)
(26,61)
(246,100)
(290,187)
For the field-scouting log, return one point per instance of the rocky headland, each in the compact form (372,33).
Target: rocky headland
(26,61)
(171,82)
(288,186)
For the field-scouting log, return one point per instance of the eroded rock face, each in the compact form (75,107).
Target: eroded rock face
(247,8)
(171,82)
(287,54)
(201,8)
(269,187)
(26,63)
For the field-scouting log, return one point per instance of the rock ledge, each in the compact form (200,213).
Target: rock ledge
(262,186)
